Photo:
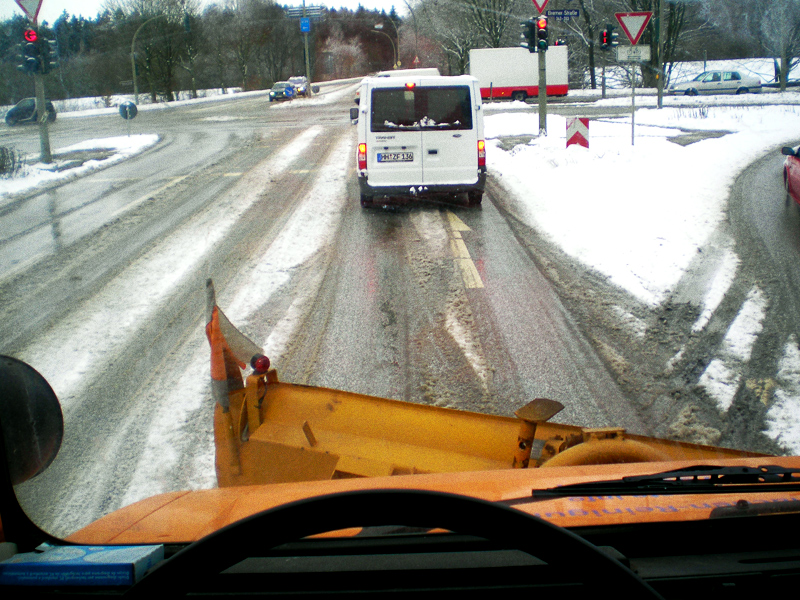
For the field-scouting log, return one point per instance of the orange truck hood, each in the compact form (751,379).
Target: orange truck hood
(185,516)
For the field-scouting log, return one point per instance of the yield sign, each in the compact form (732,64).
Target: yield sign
(633,24)
(30,8)
(540,4)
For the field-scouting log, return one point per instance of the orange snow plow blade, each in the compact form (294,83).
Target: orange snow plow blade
(267,431)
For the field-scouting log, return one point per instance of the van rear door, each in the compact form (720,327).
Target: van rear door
(449,134)
(394,137)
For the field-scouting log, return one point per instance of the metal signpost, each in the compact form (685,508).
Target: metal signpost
(633,25)
(31,9)
(128,111)
(541,46)
(306,14)
(305,27)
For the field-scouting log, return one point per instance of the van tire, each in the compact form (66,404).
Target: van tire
(474,198)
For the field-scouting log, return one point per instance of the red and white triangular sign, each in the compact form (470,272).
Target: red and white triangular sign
(30,8)
(540,4)
(633,24)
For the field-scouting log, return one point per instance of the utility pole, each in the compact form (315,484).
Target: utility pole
(41,115)
(541,45)
(661,35)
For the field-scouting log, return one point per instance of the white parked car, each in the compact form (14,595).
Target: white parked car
(718,82)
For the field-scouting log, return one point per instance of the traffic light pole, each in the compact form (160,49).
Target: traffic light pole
(542,92)
(661,34)
(41,116)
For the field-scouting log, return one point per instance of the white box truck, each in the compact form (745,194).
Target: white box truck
(514,72)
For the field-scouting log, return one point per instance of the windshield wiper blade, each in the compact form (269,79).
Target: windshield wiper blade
(699,479)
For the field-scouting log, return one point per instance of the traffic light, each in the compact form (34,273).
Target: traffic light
(541,32)
(31,55)
(612,36)
(49,52)
(604,39)
(529,35)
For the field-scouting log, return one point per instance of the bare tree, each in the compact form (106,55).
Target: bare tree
(780,34)
(345,56)
(161,41)
(449,24)
(489,18)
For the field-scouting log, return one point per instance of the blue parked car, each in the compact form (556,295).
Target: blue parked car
(283,90)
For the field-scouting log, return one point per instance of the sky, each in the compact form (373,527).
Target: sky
(52,9)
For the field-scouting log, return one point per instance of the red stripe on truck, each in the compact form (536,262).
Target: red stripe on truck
(531,91)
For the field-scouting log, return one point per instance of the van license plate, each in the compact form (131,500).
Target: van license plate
(395,157)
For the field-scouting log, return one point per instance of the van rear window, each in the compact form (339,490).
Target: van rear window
(430,108)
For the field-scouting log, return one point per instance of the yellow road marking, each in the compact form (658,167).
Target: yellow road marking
(459,248)
(140,199)
(762,388)
(109,179)
(457,224)
(469,272)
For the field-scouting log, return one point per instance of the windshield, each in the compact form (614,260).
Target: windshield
(421,108)
(638,269)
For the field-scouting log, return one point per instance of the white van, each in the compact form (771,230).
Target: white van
(420,136)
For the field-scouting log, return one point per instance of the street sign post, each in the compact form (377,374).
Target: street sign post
(633,24)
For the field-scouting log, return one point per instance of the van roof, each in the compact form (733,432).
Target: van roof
(420,80)
(404,72)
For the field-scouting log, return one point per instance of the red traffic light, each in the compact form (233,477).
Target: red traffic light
(541,23)
(31,35)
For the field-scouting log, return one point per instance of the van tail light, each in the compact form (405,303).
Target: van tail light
(481,153)
(362,156)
